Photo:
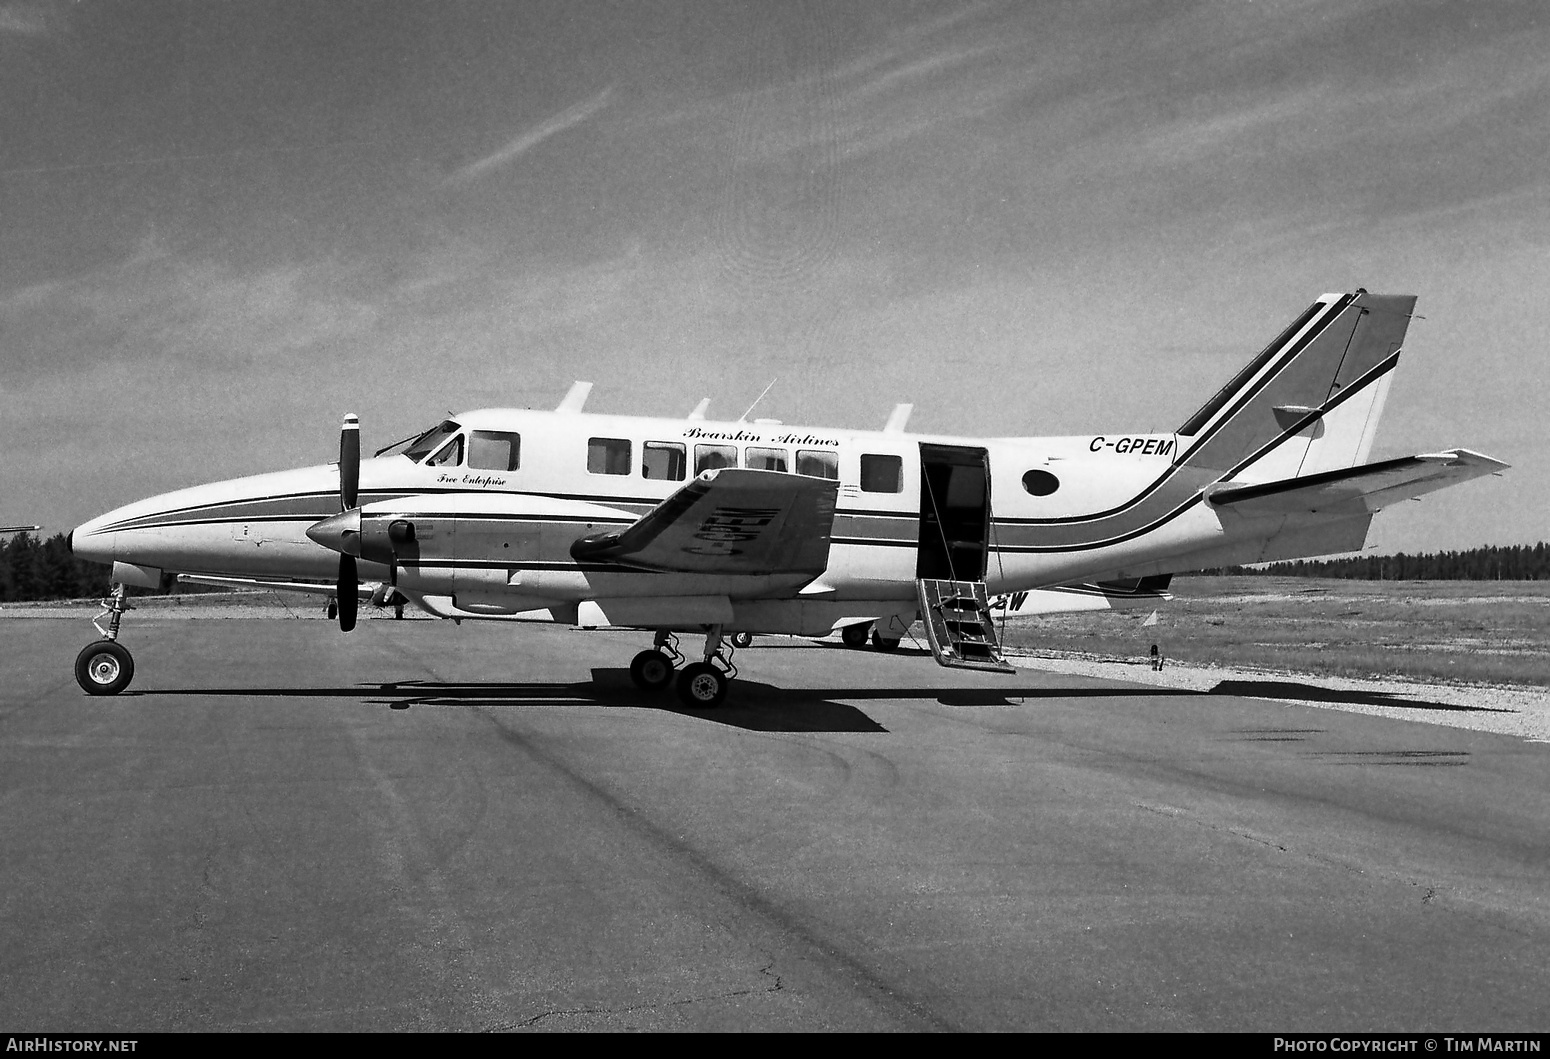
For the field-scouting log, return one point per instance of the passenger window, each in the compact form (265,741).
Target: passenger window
(882,474)
(818,464)
(1040,483)
(451,454)
(494,450)
(608,456)
(766,459)
(714,457)
(662,460)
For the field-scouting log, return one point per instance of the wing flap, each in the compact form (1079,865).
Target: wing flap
(1356,490)
(728,521)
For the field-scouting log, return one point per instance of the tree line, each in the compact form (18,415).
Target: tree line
(1517,562)
(32,568)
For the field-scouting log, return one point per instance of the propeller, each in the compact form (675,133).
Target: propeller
(348,585)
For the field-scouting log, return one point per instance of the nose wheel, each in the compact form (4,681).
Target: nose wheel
(106,667)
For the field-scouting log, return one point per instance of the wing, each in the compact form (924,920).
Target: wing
(1357,490)
(729,521)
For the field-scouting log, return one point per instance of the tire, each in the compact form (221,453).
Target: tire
(104,668)
(884,643)
(651,671)
(854,635)
(701,686)
(742,639)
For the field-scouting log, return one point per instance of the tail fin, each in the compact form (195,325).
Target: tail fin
(1310,402)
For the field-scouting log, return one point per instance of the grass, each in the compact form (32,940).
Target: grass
(1495,632)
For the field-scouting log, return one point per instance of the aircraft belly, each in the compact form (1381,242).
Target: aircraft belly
(1193,530)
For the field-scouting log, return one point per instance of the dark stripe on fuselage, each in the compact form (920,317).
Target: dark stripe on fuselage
(1181,468)
(1022,529)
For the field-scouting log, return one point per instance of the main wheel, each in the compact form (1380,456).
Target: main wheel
(884,643)
(651,671)
(854,635)
(104,668)
(701,685)
(742,639)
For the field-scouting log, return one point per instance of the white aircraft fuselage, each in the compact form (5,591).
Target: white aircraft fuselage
(687,524)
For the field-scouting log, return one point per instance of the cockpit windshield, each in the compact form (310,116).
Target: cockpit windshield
(421,445)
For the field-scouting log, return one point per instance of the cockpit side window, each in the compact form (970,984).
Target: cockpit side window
(494,450)
(450,454)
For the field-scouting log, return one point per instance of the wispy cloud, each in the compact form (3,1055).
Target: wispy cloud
(566,119)
(30,20)
(922,76)
(162,308)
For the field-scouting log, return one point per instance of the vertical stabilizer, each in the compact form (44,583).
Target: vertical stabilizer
(1311,400)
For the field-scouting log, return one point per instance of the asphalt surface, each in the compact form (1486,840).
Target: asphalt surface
(419,826)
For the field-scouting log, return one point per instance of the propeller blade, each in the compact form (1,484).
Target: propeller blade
(348,592)
(349,461)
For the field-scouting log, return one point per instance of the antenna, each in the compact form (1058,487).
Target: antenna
(744,417)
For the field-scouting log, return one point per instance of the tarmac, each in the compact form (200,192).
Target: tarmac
(419,826)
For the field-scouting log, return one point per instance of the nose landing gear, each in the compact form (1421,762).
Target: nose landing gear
(105,667)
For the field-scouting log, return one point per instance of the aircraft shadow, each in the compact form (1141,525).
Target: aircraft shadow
(1291,689)
(902,651)
(752,705)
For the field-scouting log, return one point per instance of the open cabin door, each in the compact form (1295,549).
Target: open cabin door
(950,562)
(954,512)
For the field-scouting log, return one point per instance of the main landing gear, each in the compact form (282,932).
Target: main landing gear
(856,636)
(700,685)
(105,667)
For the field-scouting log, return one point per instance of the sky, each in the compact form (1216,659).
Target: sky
(223,226)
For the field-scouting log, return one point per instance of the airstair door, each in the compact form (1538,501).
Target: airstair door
(950,562)
(954,512)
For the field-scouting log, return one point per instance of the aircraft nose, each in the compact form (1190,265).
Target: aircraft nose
(92,541)
(340,533)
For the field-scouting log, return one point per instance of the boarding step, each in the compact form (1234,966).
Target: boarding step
(958,624)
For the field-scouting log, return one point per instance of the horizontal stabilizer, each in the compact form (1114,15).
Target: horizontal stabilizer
(1100,595)
(728,521)
(1357,490)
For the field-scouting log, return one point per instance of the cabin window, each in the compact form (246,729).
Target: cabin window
(882,474)
(494,450)
(815,463)
(451,454)
(662,460)
(714,457)
(1040,483)
(608,455)
(766,459)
